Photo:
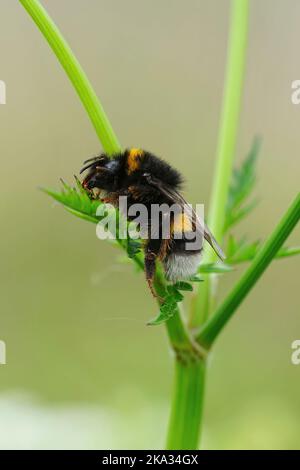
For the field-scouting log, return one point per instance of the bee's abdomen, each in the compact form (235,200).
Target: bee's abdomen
(181,264)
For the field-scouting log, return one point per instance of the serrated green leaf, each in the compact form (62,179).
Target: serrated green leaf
(174,292)
(178,297)
(235,217)
(232,247)
(183,285)
(242,251)
(196,278)
(78,202)
(243,178)
(167,310)
(81,215)
(133,247)
(242,185)
(288,251)
(218,268)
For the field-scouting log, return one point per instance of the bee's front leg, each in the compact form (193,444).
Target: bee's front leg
(111,198)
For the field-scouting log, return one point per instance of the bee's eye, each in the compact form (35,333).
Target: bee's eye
(112,165)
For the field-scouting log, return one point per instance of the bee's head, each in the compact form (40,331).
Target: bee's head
(103,173)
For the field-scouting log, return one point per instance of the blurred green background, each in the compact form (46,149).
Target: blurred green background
(83,370)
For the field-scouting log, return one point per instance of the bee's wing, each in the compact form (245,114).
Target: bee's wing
(201,225)
(176,197)
(213,242)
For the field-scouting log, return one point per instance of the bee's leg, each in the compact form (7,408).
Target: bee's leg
(112,198)
(164,248)
(108,200)
(150,258)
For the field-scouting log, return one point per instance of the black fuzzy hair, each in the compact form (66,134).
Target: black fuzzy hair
(161,170)
(109,180)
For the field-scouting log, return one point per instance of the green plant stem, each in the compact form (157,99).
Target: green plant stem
(75,73)
(225,147)
(187,405)
(180,338)
(216,323)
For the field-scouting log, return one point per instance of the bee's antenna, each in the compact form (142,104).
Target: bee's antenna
(87,166)
(97,157)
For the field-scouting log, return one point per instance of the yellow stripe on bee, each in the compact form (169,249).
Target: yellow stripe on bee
(134,159)
(182,223)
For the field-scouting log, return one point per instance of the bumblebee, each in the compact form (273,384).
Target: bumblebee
(146,179)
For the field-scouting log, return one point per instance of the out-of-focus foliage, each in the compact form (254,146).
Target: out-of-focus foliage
(241,188)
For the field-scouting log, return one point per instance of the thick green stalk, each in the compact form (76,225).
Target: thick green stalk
(75,73)
(226,145)
(187,405)
(216,323)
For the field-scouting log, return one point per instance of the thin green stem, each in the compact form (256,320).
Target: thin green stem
(216,323)
(230,115)
(75,73)
(187,405)
(226,144)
